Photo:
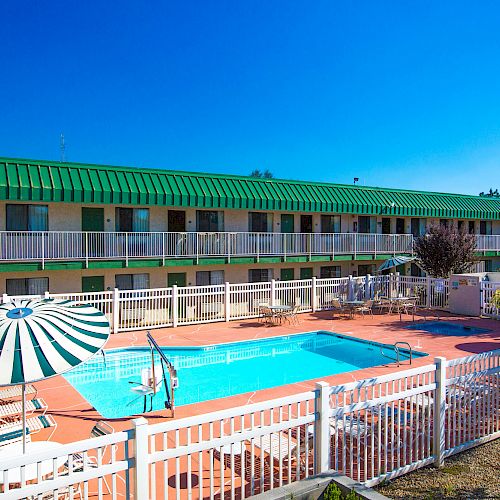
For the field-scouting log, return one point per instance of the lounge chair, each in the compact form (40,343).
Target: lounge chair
(15,392)
(13,431)
(15,408)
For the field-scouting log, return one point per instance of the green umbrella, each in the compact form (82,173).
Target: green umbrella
(43,338)
(395,261)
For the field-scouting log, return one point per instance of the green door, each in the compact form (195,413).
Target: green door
(92,219)
(287,223)
(306,273)
(92,284)
(178,279)
(287,274)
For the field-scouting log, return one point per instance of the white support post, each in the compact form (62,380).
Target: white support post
(322,428)
(175,306)
(284,247)
(439,411)
(310,246)
(126,249)
(141,458)
(86,250)
(258,247)
(46,295)
(43,250)
(355,241)
(350,288)
(116,310)
(227,301)
(273,292)
(314,295)
(163,237)
(228,237)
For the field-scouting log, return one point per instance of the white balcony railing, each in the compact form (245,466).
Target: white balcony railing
(52,245)
(56,245)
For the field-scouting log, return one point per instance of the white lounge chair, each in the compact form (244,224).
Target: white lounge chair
(13,431)
(15,409)
(16,392)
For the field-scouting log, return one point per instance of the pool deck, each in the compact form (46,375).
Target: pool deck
(75,416)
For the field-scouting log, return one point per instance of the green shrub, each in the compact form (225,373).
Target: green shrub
(333,492)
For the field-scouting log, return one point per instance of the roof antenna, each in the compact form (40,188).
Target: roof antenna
(62,146)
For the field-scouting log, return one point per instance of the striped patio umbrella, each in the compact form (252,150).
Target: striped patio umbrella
(395,262)
(43,338)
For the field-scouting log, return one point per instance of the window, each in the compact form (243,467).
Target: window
(472,227)
(132,220)
(209,221)
(27,218)
(259,275)
(461,225)
(204,278)
(485,227)
(306,273)
(416,270)
(367,224)
(27,286)
(260,222)
(386,225)
(132,281)
(330,223)
(329,272)
(364,269)
(488,266)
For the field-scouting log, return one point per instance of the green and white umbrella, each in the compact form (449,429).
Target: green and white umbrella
(395,261)
(43,338)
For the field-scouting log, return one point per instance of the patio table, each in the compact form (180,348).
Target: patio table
(279,310)
(351,305)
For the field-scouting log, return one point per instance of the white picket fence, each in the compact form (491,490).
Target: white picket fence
(163,307)
(488,290)
(369,430)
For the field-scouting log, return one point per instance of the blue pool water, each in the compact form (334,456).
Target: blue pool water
(222,370)
(446,328)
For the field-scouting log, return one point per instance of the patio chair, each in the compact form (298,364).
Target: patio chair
(338,308)
(80,461)
(292,315)
(365,308)
(265,314)
(15,409)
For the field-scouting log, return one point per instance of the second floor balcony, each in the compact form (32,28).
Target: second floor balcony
(85,246)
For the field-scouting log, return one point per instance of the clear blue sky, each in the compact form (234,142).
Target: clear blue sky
(400,94)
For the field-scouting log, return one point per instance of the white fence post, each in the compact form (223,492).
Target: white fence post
(439,411)
(5,298)
(46,295)
(273,292)
(314,295)
(227,301)
(368,292)
(322,428)
(141,470)
(116,310)
(175,307)
(428,293)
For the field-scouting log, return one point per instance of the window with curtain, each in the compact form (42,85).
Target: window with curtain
(329,272)
(22,217)
(367,224)
(330,223)
(132,220)
(138,281)
(259,275)
(260,222)
(27,286)
(485,227)
(205,278)
(209,221)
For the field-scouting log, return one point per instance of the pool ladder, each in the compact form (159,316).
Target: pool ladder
(395,346)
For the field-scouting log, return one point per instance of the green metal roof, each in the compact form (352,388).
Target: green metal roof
(34,180)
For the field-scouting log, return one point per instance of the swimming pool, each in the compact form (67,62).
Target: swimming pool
(447,328)
(217,371)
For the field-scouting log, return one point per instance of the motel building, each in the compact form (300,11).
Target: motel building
(70,227)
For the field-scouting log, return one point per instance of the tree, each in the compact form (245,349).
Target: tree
(262,175)
(491,193)
(445,250)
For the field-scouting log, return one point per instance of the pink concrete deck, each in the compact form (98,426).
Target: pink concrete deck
(76,416)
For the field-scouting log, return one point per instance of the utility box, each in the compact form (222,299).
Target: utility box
(465,294)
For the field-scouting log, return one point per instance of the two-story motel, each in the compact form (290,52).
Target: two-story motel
(70,227)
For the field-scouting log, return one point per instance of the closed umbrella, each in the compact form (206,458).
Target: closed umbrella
(395,261)
(43,338)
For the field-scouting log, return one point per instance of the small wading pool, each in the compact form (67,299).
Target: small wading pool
(446,328)
(222,370)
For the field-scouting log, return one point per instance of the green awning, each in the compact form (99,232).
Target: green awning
(33,180)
